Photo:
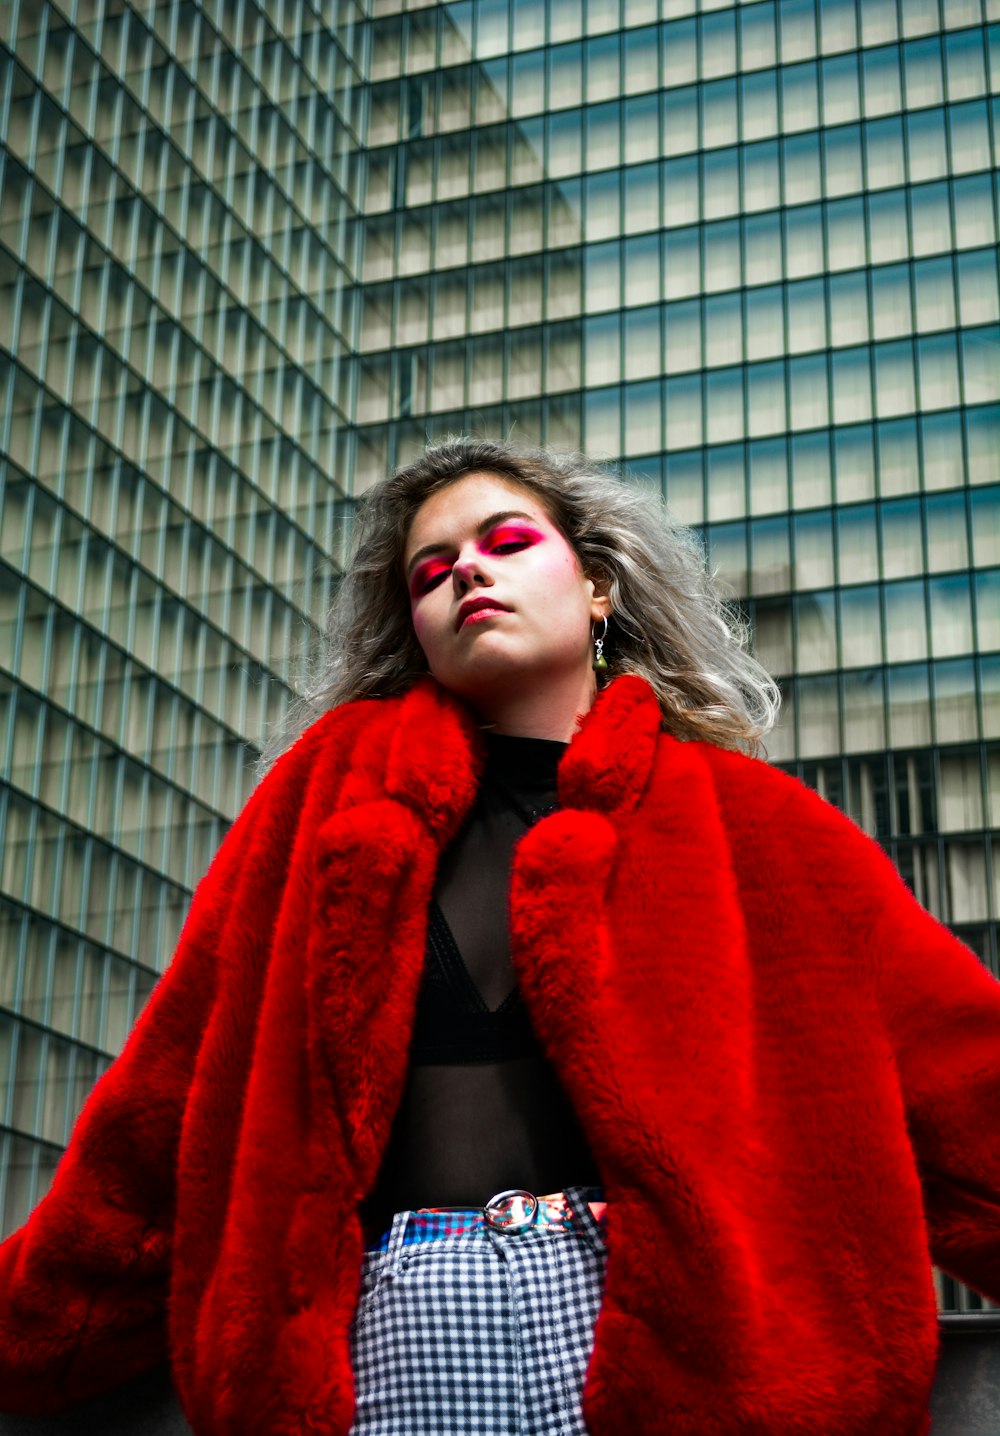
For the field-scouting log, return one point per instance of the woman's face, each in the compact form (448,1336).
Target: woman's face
(497,594)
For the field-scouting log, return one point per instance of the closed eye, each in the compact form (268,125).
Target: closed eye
(430,580)
(501,542)
(509,541)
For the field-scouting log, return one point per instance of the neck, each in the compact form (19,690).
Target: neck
(548,711)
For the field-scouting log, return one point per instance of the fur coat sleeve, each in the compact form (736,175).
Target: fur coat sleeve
(939,1007)
(238,1122)
(84,1284)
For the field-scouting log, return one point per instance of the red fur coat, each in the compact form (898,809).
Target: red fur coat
(789,1074)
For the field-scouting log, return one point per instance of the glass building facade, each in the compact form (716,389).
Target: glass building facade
(253,256)
(178,198)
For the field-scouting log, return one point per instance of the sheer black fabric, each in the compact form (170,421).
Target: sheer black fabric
(483,1109)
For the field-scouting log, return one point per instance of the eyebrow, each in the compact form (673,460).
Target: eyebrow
(490,522)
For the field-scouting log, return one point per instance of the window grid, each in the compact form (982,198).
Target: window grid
(698,47)
(140,249)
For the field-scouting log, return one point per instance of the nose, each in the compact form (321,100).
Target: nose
(469,571)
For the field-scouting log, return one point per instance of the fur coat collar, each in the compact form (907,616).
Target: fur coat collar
(784,1066)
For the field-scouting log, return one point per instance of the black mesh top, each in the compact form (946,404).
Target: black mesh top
(482,1110)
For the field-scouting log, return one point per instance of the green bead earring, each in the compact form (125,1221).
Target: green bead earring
(600,662)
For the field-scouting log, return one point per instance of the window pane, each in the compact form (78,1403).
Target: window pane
(602,422)
(848,308)
(852,385)
(960,801)
(906,624)
(880,78)
(727,490)
(643,418)
(683,412)
(684,487)
(718,44)
(982,428)
(728,555)
(758,100)
(803,241)
(898,457)
(955,702)
(681,263)
(808,392)
(909,706)
(773,635)
(765,322)
(642,128)
(602,358)
(979,302)
(923,73)
(723,405)
(902,544)
(947,547)
(680,192)
(723,329)
(816,631)
(721,169)
(719,120)
(602,276)
(974,213)
(806,316)
(864,710)
(801,168)
(925,145)
(642,198)
(682,336)
(969,138)
(642,269)
(839,83)
(884,156)
(762,248)
(814,550)
(818,717)
(895,391)
(857,543)
(860,627)
(766,401)
(679,51)
(930,219)
(642,343)
(988,609)
(951,616)
(680,121)
(721,256)
(768,476)
(981,366)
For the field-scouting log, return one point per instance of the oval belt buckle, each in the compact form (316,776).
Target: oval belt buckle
(511,1211)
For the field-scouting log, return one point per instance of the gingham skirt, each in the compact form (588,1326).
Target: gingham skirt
(480,1333)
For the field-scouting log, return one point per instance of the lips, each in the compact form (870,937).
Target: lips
(478,605)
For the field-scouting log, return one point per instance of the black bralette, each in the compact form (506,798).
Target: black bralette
(453,1023)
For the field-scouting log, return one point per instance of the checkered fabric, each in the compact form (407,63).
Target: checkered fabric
(479,1332)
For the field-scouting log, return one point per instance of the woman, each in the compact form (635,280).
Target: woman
(699,995)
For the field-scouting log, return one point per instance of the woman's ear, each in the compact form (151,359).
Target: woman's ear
(600,603)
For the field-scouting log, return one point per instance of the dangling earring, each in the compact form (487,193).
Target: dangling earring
(600,662)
